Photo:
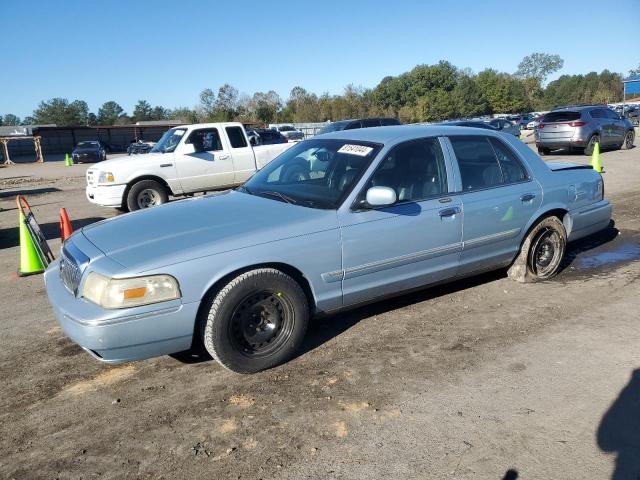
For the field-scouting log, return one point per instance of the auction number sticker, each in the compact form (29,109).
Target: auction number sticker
(359,150)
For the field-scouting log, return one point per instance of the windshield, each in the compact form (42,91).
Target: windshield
(169,140)
(315,173)
(332,127)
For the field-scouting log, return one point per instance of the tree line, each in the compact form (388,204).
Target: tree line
(427,93)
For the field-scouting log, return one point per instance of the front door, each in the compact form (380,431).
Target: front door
(203,162)
(414,242)
(499,198)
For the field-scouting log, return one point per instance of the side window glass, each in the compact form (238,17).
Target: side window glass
(613,115)
(236,137)
(597,113)
(205,140)
(370,122)
(478,164)
(415,170)
(512,169)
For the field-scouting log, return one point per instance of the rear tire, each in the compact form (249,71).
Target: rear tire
(146,194)
(257,321)
(628,140)
(591,144)
(541,253)
(543,151)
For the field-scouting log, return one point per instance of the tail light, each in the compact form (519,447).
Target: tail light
(541,125)
(577,124)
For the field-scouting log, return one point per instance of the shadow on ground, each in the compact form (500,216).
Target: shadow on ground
(619,430)
(28,191)
(9,237)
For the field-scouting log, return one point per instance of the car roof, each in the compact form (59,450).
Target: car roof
(399,133)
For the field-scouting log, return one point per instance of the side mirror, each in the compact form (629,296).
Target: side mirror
(253,141)
(381,196)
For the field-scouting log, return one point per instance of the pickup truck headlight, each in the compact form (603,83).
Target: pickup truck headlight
(105,177)
(129,292)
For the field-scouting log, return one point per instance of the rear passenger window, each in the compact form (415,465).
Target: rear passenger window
(478,164)
(512,169)
(370,122)
(236,137)
(415,170)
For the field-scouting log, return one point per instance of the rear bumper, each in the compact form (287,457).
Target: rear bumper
(106,195)
(115,336)
(590,219)
(561,143)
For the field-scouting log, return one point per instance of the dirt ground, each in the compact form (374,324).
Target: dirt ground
(483,378)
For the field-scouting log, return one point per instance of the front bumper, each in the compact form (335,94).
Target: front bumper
(115,336)
(106,195)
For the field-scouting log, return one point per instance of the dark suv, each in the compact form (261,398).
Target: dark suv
(580,127)
(358,123)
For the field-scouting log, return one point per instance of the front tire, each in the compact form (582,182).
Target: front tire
(146,194)
(257,321)
(541,253)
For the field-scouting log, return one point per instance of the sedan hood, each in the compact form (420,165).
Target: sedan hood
(202,226)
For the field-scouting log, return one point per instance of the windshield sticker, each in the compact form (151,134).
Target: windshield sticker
(360,150)
(178,133)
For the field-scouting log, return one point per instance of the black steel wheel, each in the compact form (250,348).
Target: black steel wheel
(541,253)
(256,321)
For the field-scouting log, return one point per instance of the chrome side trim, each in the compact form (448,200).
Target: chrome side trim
(390,263)
(494,237)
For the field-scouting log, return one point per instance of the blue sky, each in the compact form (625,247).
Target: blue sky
(168,51)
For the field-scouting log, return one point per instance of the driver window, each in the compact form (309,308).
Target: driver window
(415,170)
(205,140)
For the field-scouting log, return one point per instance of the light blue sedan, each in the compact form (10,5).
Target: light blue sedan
(334,222)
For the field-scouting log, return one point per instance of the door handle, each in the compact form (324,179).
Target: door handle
(223,157)
(449,212)
(527,197)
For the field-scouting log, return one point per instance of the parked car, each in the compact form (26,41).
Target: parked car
(290,133)
(471,123)
(533,124)
(523,122)
(187,159)
(139,147)
(581,127)
(334,222)
(358,123)
(268,136)
(89,151)
(505,126)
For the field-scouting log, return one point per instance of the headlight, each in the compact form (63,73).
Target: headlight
(129,292)
(105,177)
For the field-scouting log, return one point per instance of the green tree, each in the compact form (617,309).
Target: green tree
(62,113)
(266,106)
(183,114)
(142,111)
(436,105)
(634,71)
(468,98)
(109,113)
(226,105)
(539,66)
(159,113)
(207,106)
(10,119)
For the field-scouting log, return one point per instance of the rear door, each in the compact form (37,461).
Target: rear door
(416,241)
(618,127)
(604,125)
(203,162)
(498,196)
(244,162)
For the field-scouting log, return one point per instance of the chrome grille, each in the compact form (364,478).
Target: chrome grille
(70,272)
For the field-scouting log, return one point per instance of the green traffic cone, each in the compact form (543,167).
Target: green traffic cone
(30,261)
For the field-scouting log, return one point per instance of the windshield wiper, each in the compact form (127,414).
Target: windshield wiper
(282,196)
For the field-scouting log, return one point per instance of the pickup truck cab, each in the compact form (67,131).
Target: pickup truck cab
(187,159)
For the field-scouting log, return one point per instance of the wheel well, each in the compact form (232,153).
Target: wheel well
(561,213)
(160,180)
(293,272)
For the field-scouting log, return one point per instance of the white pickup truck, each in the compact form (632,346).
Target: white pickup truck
(187,159)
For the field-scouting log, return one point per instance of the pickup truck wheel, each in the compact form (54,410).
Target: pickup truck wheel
(145,194)
(541,253)
(543,151)
(257,321)
(628,140)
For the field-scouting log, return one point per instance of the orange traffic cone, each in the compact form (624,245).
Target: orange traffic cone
(65,225)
